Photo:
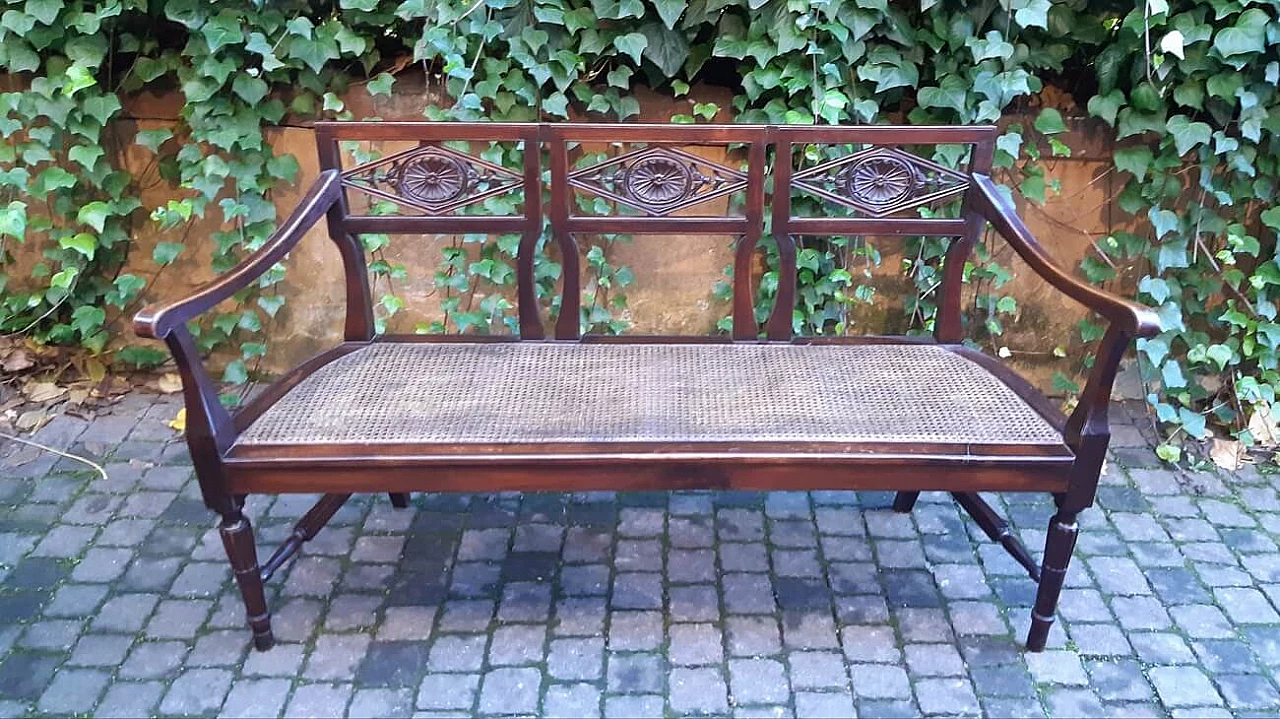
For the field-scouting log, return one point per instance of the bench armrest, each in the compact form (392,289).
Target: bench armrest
(1133,318)
(159,320)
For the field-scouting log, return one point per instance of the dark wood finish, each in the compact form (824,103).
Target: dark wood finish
(656,187)
(997,530)
(1058,548)
(904,502)
(304,531)
(358,474)
(237,539)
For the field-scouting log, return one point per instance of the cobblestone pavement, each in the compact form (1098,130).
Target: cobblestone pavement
(115,599)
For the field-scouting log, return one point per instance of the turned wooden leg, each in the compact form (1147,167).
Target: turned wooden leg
(237,538)
(399,500)
(1063,531)
(905,501)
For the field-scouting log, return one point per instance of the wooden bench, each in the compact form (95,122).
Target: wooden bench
(551,409)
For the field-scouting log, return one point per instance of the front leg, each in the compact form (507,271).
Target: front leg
(1058,548)
(237,538)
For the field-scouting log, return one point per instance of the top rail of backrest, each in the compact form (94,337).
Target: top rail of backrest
(887,211)
(437,209)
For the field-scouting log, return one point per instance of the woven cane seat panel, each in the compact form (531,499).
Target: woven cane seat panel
(535,392)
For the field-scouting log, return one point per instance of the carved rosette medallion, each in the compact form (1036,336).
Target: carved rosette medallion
(877,180)
(881,181)
(434,179)
(658,180)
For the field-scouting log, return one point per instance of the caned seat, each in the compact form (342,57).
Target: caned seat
(548,393)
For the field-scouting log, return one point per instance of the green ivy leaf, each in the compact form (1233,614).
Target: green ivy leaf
(380,84)
(154,138)
(13,220)
(166,252)
(952,93)
(1050,122)
(250,89)
(84,243)
(222,30)
(46,11)
(632,43)
(1187,134)
(86,156)
(666,48)
(236,372)
(94,215)
(670,11)
(1135,160)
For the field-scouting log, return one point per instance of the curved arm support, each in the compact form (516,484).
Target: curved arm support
(1130,317)
(159,321)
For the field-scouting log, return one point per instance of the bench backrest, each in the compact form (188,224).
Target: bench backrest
(670,180)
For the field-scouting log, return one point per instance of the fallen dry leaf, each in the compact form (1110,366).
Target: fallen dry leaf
(17,361)
(179,421)
(169,383)
(78,396)
(42,391)
(1227,453)
(32,420)
(1263,427)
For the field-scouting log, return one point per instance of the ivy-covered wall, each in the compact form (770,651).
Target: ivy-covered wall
(1188,88)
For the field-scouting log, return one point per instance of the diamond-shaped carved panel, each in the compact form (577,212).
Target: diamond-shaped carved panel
(658,180)
(431,178)
(881,181)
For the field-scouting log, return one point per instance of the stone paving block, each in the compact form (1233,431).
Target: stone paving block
(50,634)
(635,673)
(457,653)
(510,691)
(823,705)
(946,696)
(809,630)
(1246,605)
(252,698)
(178,618)
(576,659)
(284,660)
(571,701)
(817,670)
(758,681)
(154,660)
(196,691)
(1074,703)
(634,706)
(635,631)
(697,690)
(527,602)
(1248,691)
(578,616)
(379,703)
(448,691)
(321,701)
(934,660)
(352,611)
(695,644)
(336,656)
(1183,687)
(517,645)
(72,691)
(879,681)
(1100,640)
(129,700)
